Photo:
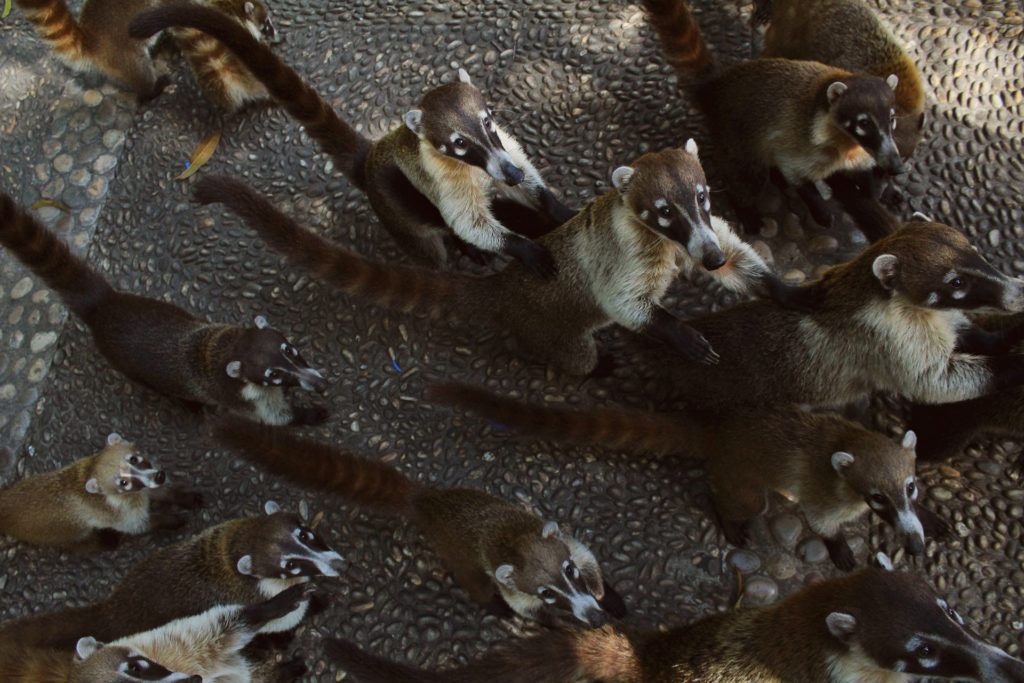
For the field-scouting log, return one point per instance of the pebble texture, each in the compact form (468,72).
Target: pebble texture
(584,87)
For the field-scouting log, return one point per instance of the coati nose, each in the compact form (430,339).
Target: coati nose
(713,260)
(160,477)
(895,165)
(195,679)
(596,618)
(915,545)
(311,380)
(513,174)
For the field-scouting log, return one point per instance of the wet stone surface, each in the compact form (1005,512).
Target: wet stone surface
(585,89)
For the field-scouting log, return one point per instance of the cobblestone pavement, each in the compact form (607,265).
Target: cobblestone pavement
(584,87)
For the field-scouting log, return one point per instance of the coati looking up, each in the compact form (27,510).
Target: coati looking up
(442,168)
(847,34)
(616,259)
(889,320)
(242,561)
(86,505)
(805,119)
(835,469)
(873,625)
(205,647)
(163,347)
(99,41)
(505,558)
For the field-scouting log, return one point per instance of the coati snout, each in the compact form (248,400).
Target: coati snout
(456,120)
(288,549)
(668,192)
(96,662)
(864,107)
(266,358)
(121,470)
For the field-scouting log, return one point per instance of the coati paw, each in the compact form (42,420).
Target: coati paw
(841,553)
(473,253)
(318,603)
(534,257)
(166,521)
(189,499)
(612,602)
(737,533)
(796,297)
(159,86)
(604,368)
(558,212)
(107,539)
(309,416)
(935,525)
(292,670)
(694,346)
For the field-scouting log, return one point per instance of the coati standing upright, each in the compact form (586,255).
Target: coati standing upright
(207,647)
(163,347)
(616,259)
(98,40)
(804,119)
(504,557)
(442,168)
(242,561)
(86,505)
(889,320)
(872,625)
(835,469)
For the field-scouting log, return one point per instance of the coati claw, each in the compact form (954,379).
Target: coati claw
(534,257)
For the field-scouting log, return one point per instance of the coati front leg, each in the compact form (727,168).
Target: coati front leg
(532,188)
(672,331)
(977,340)
(935,525)
(840,552)
(815,203)
(867,212)
(186,498)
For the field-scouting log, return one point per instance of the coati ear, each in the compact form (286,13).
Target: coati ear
(464,77)
(414,120)
(841,625)
(234,369)
(691,148)
(114,438)
(621,177)
(86,647)
(93,486)
(503,575)
(244,565)
(260,322)
(886,269)
(919,216)
(840,461)
(250,9)
(550,530)
(271,507)
(835,91)
(882,561)
(910,440)
(892,81)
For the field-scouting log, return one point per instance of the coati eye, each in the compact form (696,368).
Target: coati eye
(124,483)
(924,651)
(291,565)
(459,142)
(570,570)
(911,490)
(877,500)
(956,283)
(135,460)
(701,197)
(546,594)
(665,211)
(305,535)
(272,373)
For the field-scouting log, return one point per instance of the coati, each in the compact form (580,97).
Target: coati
(616,259)
(948,428)
(889,320)
(98,41)
(804,119)
(872,625)
(205,647)
(442,168)
(86,505)
(242,561)
(847,34)
(835,469)
(504,557)
(163,347)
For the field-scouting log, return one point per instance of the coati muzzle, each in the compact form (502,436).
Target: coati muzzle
(501,168)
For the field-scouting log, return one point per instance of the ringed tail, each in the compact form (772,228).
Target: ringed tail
(81,288)
(347,147)
(317,466)
(56,25)
(410,290)
(602,654)
(681,39)
(614,429)
(60,629)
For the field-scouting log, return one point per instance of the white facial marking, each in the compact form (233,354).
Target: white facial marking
(658,203)
(959,293)
(871,501)
(443,149)
(645,214)
(909,523)
(664,222)
(933,298)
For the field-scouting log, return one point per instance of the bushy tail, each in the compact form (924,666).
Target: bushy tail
(317,466)
(347,147)
(681,38)
(57,26)
(55,629)
(614,429)
(411,290)
(557,657)
(49,258)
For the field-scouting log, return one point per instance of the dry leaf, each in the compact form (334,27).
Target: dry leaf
(202,154)
(7,8)
(52,203)
(317,518)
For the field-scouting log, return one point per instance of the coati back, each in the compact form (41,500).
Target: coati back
(849,35)
(85,505)
(804,119)
(503,557)
(872,625)
(435,176)
(242,561)
(99,41)
(162,346)
(835,469)
(616,259)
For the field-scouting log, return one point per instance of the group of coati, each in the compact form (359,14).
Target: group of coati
(904,316)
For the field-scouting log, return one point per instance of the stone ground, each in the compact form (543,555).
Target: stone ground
(584,87)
